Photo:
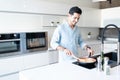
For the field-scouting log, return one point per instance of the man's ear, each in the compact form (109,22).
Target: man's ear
(68,15)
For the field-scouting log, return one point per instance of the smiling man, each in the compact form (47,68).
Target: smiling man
(67,37)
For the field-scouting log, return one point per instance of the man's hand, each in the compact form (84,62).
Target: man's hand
(68,52)
(89,50)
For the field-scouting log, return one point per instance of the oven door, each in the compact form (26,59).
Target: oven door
(9,46)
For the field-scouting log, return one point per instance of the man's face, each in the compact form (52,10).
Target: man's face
(74,18)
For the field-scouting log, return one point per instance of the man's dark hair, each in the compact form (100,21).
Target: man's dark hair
(75,9)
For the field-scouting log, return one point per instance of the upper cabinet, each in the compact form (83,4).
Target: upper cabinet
(31,15)
(33,6)
(12,5)
(52,20)
(90,18)
(110,16)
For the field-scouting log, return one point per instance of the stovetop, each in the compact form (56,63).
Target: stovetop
(88,66)
(91,66)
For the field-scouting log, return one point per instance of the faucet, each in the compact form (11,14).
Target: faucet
(118,45)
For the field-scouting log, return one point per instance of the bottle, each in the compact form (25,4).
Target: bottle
(106,66)
(102,60)
(99,65)
(107,71)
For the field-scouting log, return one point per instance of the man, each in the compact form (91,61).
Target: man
(66,37)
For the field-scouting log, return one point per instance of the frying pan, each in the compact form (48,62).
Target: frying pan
(85,60)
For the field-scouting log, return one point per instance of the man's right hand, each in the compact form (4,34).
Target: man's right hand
(68,52)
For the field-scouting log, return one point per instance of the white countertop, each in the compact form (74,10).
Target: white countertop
(67,71)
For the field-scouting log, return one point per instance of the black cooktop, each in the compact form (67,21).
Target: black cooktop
(88,66)
(91,66)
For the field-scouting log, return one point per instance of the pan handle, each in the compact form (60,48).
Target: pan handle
(90,54)
(75,57)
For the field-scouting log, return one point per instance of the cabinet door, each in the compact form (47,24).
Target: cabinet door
(52,20)
(53,56)
(10,65)
(14,76)
(12,5)
(110,16)
(90,18)
(35,60)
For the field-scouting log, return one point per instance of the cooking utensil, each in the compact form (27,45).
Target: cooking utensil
(85,60)
(75,56)
(90,54)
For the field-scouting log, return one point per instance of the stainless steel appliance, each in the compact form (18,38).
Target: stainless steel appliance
(34,41)
(20,43)
(9,43)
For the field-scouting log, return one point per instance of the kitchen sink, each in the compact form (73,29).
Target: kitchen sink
(112,58)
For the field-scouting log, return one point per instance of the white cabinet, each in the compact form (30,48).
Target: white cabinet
(35,60)
(12,5)
(14,64)
(90,17)
(33,6)
(14,76)
(52,20)
(53,56)
(110,16)
(10,65)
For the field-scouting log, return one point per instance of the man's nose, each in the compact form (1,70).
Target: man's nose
(76,20)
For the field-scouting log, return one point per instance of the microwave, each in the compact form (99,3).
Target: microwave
(34,41)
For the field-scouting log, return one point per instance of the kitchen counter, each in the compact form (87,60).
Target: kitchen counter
(67,71)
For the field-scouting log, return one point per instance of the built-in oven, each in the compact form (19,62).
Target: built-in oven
(36,41)
(9,43)
(17,43)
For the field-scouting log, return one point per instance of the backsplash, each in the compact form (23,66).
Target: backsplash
(84,32)
(109,33)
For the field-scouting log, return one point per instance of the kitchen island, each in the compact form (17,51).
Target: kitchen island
(68,71)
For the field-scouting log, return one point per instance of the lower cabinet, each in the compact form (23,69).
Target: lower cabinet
(53,56)
(14,76)
(10,65)
(14,64)
(35,60)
